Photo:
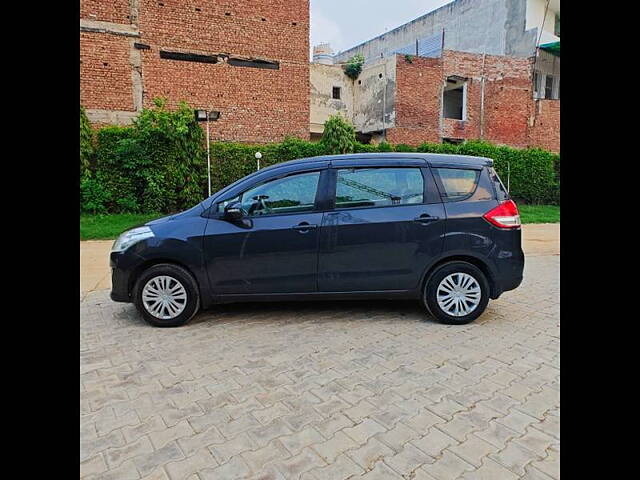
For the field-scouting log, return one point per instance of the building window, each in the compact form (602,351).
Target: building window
(548,87)
(556,27)
(336,93)
(454,98)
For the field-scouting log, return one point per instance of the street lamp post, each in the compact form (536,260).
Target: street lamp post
(258,157)
(207,115)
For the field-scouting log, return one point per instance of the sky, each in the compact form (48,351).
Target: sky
(346,23)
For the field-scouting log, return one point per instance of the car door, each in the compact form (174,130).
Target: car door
(386,224)
(274,249)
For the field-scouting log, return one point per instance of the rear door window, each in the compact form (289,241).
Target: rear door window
(378,187)
(457,183)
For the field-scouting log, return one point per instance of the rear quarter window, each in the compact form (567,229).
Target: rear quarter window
(457,183)
(501,191)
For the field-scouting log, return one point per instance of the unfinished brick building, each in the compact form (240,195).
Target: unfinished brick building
(472,69)
(248,60)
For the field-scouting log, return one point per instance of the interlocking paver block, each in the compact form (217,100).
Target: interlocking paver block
(368,454)
(191,444)
(256,459)
(408,460)
(263,435)
(116,456)
(150,461)
(93,466)
(235,468)
(490,470)
(297,441)
(514,457)
(396,437)
(199,460)
(266,415)
(550,464)
(340,469)
(230,448)
(448,466)
(497,434)
(365,430)
(333,447)
(295,466)
(152,424)
(517,421)
(536,441)
(473,450)
(162,437)
(434,442)
(88,448)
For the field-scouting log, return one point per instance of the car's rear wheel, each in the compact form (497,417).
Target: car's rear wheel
(456,293)
(166,295)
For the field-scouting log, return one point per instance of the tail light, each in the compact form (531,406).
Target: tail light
(505,215)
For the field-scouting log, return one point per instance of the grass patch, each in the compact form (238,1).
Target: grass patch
(102,227)
(539,213)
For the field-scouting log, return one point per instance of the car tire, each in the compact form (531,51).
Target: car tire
(166,295)
(456,293)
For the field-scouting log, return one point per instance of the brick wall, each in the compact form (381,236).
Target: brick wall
(545,132)
(257,104)
(508,103)
(418,92)
(117,11)
(105,72)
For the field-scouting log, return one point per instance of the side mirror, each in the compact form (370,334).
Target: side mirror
(234,212)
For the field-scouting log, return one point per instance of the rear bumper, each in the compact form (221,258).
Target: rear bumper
(510,268)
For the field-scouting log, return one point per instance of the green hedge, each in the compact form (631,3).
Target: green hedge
(159,164)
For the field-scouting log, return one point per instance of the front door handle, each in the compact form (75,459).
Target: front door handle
(304,227)
(426,218)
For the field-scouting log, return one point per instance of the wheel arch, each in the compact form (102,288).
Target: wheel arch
(478,262)
(135,275)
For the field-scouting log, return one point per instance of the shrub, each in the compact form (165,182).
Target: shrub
(159,163)
(339,135)
(401,147)
(353,67)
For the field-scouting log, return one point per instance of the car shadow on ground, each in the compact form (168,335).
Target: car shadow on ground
(314,311)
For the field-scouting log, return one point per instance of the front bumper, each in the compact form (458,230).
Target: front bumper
(123,265)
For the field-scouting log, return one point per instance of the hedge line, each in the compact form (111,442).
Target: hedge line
(159,164)
(533,173)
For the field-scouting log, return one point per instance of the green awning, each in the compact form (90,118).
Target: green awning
(553,48)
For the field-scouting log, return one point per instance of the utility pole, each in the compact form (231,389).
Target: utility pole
(207,115)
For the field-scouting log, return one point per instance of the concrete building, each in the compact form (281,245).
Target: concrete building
(492,27)
(248,60)
(468,70)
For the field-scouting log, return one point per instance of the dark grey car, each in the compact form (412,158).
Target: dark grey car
(438,228)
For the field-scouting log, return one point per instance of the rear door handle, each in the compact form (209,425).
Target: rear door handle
(426,218)
(304,227)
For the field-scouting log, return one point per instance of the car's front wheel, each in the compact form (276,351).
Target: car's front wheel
(456,293)
(166,295)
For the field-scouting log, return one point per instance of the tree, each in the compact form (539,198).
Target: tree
(339,135)
(354,66)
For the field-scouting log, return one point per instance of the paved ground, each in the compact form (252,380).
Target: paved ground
(325,390)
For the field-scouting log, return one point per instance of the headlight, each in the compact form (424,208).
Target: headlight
(131,237)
